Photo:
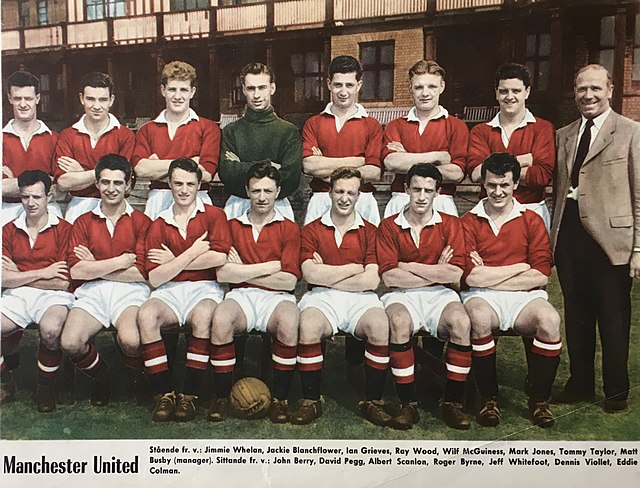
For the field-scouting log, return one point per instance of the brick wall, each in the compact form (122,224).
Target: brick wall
(631,100)
(409,48)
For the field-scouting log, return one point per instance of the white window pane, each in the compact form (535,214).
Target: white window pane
(367,92)
(368,55)
(386,85)
(607,30)
(386,54)
(545,45)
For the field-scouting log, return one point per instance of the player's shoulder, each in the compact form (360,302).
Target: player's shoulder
(215,212)
(388,224)
(63,225)
(140,217)
(480,129)
(532,218)
(455,121)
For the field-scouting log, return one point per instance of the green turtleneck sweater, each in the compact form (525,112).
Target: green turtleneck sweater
(257,137)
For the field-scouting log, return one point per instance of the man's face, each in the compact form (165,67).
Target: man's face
(112,186)
(511,95)
(426,90)
(262,195)
(96,102)
(344,195)
(24,101)
(344,89)
(421,191)
(34,200)
(499,190)
(184,187)
(177,95)
(593,92)
(258,91)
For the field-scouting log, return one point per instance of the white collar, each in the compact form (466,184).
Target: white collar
(162,117)
(244,217)
(168,216)
(479,210)
(81,127)
(21,222)
(128,209)
(8,129)
(402,221)
(326,220)
(597,121)
(528,119)
(361,112)
(412,115)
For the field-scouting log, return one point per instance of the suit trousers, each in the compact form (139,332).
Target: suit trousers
(594,290)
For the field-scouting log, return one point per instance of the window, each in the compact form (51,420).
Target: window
(24,13)
(237,97)
(607,41)
(101,9)
(181,5)
(43,14)
(537,59)
(377,64)
(635,72)
(45,94)
(307,76)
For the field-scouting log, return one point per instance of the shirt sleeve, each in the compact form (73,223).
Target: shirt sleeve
(308,243)
(391,134)
(374,144)
(219,234)
(539,250)
(7,241)
(142,148)
(79,237)
(458,143)
(142,229)
(386,247)
(543,154)
(456,240)
(154,240)
(471,243)
(63,240)
(64,147)
(210,146)
(290,257)
(478,148)
(309,138)
(126,142)
(370,256)
(232,172)
(291,162)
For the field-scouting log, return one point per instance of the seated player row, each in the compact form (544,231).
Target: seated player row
(342,135)
(499,249)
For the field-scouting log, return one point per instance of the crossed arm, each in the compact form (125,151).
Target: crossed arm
(154,168)
(416,275)
(53,277)
(513,277)
(268,274)
(117,268)
(345,277)
(400,161)
(322,166)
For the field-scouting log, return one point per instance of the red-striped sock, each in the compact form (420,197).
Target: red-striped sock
(223,360)
(283,358)
(402,362)
(458,362)
(48,364)
(544,365)
(484,346)
(484,365)
(310,363)
(92,363)
(197,359)
(376,363)
(156,366)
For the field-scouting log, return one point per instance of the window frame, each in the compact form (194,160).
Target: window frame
(377,68)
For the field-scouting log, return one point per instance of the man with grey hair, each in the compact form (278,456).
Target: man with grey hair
(596,237)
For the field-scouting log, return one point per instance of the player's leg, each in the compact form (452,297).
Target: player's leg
(484,320)
(9,358)
(314,327)
(455,325)
(78,330)
(128,345)
(402,361)
(538,319)
(283,325)
(153,316)
(228,319)
(373,328)
(49,355)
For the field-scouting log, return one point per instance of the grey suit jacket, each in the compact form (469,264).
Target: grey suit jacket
(609,185)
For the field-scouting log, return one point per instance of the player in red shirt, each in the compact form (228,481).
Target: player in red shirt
(35,285)
(427,134)
(262,272)
(106,262)
(27,143)
(178,132)
(338,261)
(80,146)
(421,255)
(508,261)
(185,245)
(343,135)
(515,130)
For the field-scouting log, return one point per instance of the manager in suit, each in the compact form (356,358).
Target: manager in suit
(596,237)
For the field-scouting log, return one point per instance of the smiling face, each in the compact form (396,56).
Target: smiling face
(258,91)
(112,186)
(24,101)
(177,95)
(426,90)
(421,191)
(511,95)
(499,190)
(262,193)
(344,195)
(96,102)
(34,200)
(184,187)
(593,92)
(344,89)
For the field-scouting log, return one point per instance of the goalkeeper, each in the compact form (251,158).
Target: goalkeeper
(262,270)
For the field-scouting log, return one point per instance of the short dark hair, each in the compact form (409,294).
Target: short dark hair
(263,170)
(500,163)
(426,170)
(345,64)
(95,79)
(114,162)
(33,176)
(509,71)
(424,67)
(345,173)
(21,79)
(257,69)
(186,164)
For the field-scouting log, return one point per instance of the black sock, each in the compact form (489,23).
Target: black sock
(192,381)
(374,382)
(454,391)
(282,383)
(170,339)
(12,360)
(353,350)
(240,343)
(222,383)
(311,382)
(542,374)
(484,368)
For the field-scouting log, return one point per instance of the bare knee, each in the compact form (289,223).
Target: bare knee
(548,324)
(285,321)
(222,325)
(481,316)
(458,324)
(50,327)
(400,324)
(313,326)
(73,342)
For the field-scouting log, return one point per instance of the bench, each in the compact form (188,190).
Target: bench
(226,119)
(384,115)
(477,115)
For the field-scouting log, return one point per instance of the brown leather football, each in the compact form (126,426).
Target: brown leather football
(250,398)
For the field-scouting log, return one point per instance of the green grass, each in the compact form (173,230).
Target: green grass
(123,419)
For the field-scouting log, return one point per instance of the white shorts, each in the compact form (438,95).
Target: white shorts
(506,304)
(425,305)
(159,200)
(542,210)
(320,203)
(105,300)
(399,200)
(78,206)
(183,296)
(25,305)
(258,305)
(11,211)
(237,206)
(343,309)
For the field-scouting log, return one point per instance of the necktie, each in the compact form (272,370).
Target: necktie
(581,153)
